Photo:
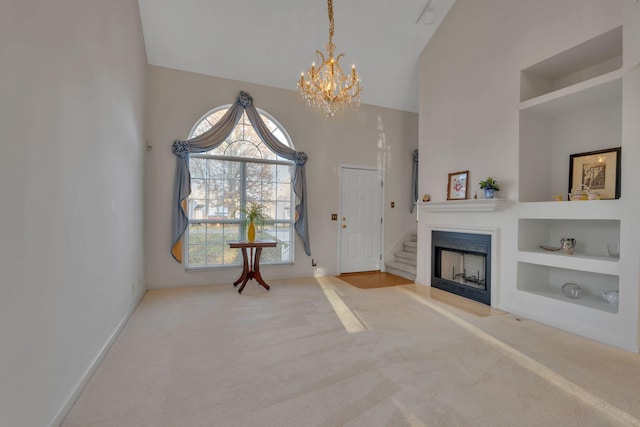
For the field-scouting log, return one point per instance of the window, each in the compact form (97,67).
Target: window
(240,170)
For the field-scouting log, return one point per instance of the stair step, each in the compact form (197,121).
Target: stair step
(402,266)
(414,237)
(410,258)
(401,269)
(411,247)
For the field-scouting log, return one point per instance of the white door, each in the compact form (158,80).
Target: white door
(360,220)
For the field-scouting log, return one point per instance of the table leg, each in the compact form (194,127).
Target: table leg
(245,270)
(256,269)
(245,267)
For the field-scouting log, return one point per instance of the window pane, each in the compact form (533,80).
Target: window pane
(281,233)
(283,210)
(241,148)
(209,244)
(197,168)
(284,173)
(283,192)
(197,209)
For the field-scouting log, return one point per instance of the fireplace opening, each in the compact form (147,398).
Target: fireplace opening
(461,264)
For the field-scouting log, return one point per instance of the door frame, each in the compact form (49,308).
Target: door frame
(341,168)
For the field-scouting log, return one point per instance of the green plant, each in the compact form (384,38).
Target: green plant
(254,212)
(489,184)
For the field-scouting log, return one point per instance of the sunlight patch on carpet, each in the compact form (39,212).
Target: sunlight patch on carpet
(549,375)
(351,322)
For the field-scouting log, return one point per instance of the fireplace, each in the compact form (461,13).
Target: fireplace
(461,264)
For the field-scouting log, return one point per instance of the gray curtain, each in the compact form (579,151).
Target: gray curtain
(414,181)
(216,136)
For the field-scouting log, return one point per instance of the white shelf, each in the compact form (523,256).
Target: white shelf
(585,300)
(602,89)
(587,209)
(580,262)
(469,205)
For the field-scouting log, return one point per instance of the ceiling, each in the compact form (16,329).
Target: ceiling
(272,42)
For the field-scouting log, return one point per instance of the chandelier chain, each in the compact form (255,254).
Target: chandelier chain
(331,23)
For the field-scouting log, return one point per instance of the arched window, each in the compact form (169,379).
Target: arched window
(239,171)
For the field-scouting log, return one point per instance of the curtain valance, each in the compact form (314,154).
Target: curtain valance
(216,136)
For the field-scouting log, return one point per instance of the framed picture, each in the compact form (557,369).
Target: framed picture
(457,186)
(598,170)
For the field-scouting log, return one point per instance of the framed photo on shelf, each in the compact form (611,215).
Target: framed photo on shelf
(598,170)
(457,185)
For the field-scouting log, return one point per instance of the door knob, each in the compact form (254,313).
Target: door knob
(344,225)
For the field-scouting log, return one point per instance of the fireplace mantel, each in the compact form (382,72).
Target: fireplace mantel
(469,205)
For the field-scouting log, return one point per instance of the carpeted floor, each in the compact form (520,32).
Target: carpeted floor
(373,279)
(320,352)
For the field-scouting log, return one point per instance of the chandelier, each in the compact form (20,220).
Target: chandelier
(326,88)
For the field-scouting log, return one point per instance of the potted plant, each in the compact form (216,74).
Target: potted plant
(254,214)
(489,186)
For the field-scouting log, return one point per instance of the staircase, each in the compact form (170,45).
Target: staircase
(405,260)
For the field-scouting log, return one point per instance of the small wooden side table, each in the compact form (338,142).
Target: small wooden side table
(251,261)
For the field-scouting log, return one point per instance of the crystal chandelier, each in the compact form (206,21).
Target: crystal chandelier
(326,88)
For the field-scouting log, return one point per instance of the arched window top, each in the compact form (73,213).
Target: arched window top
(243,142)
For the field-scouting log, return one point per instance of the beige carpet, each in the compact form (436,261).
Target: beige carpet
(373,279)
(319,352)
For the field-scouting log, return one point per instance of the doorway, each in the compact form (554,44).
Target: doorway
(360,219)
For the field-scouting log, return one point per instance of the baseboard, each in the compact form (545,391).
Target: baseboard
(585,333)
(86,376)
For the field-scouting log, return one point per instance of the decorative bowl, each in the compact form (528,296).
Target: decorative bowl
(571,290)
(610,296)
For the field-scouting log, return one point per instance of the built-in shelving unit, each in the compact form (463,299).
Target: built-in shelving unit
(543,272)
(547,281)
(570,103)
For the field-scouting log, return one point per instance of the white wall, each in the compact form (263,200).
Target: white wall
(470,82)
(372,136)
(71,173)
(469,120)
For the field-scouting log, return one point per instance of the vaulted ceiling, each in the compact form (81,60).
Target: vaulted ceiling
(272,42)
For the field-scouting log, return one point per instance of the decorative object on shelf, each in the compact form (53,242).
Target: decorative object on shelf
(550,248)
(610,296)
(457,185)
(254,214)
(580,192)
(327,89)
(426,197)
(571,290)
(489,186)
(568,245)
(558,197)
(598,171)
(613,249)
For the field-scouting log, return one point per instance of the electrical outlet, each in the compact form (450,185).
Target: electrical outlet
(313,262)
(393,204)
(334,217)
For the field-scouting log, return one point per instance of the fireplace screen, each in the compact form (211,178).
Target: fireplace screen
(464,268)
(461,264)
